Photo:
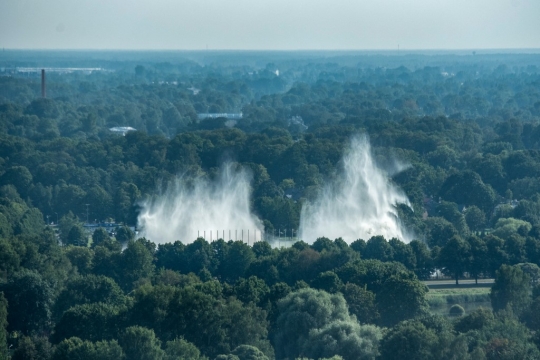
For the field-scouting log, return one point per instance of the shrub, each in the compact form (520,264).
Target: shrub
(456,310)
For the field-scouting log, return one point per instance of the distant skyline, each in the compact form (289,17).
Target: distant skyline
(270,25)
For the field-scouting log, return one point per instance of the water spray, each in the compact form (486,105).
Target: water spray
(360,203)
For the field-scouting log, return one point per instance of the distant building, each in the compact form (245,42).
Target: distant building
(109,227)
(122,130)
(232,116)
(27,70)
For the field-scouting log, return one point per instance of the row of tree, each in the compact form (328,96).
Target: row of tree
(227,299)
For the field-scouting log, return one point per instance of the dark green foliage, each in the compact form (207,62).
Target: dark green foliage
(30,299)
(378,248)
(16,217)
(5,227)
(401,297)
(247,352)
(140,343)
(262,248)
(369,273)
(468,188)
(322,244)
(80,257)
(9,259)
(409,340)
(252,290)
(151,306)
(135,263)
(479,262)
(43,107)
(439,231)
(429,337)
(496,254)
(475,218)
(170,256)
(87,290)
(532,315)
(239,257)
(327,281)
(450,212)
(302,311)
(171,277)
(75,348)
(181,349)
(532,270)
(476,320)
(18,176)
(358,245)
(200,317)
(99,236)
(66,223)
(403,253)
(33,348)
(94,321)
(455,257)
(31,222)
(124,234)
(200,255)
(77,236)
(347,339)
(3,327)
(125,199)
(424,263)
(507,338)
(361,303)
(456,310)
(227,357)
(511,289)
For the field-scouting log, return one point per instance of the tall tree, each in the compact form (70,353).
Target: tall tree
(479,256)
(30,299)
(455,257)
(408,340)
(301,312)
(401,297)
(511,288)
(424,263)
(141,344)
(378,248)
(136,263)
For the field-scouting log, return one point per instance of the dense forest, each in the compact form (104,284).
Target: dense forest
(464,129)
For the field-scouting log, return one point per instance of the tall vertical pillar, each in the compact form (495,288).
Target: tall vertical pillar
(43,89)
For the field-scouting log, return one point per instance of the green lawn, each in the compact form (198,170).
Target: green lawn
(440,300)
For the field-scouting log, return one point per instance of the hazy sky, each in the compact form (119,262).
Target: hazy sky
(265,24)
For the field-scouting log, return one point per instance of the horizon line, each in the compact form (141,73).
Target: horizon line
(276,49)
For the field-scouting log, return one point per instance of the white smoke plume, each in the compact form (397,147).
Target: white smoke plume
(185,212)
(359,204)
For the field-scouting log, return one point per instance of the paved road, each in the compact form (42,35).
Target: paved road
(441,283)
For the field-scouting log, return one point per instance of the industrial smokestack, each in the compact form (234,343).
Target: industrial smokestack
(43,92)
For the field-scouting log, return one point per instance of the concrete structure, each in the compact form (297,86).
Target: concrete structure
(122,130)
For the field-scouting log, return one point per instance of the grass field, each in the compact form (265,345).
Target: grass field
(440,300)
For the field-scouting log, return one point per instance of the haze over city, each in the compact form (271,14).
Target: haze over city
(270,25)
